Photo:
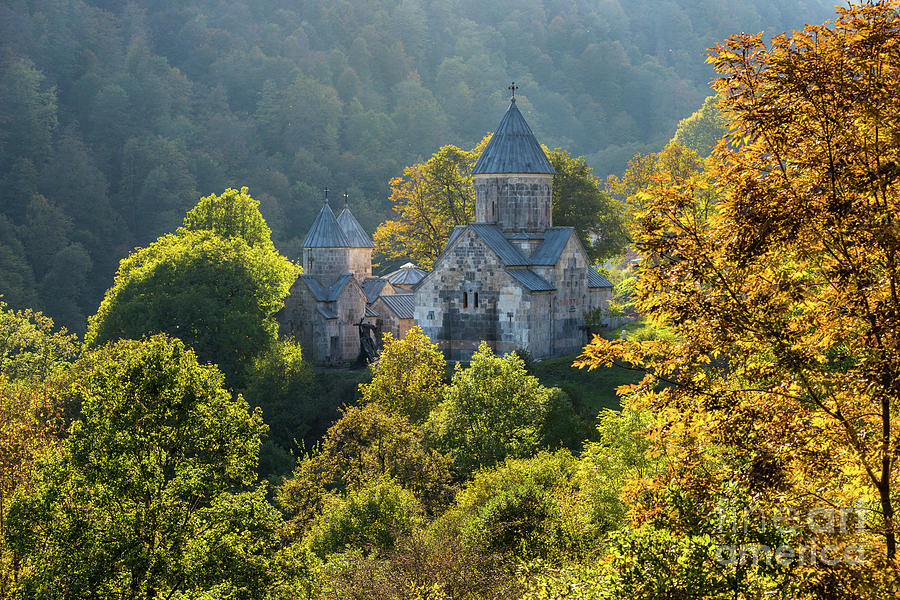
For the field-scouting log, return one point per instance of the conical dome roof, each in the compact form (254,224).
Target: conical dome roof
(353,231)
(326,232)
(513,148)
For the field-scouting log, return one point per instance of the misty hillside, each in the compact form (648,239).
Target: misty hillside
(115,116)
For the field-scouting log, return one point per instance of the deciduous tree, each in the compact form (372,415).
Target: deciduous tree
(408,379)
(491,410)
(786,301)
(149,497)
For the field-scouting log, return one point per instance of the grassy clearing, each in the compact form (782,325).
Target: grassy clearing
(589,390)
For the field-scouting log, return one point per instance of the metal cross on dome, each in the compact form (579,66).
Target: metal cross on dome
(326,194)
(346,199)
(513,87)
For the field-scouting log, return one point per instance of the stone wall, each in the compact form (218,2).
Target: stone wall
(300,320)
(467,298)
(359,262)
(328,341)
(351,308)
(325,264)
(515,202)
(571,300)
(388,322)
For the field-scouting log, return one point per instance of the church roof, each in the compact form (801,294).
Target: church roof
(596,280)
(408,274)
(496,241)
(555,238)
(326,232)
(513,148)
(353,231)
(323,294)
(402,305)
(531,280)
(372,287)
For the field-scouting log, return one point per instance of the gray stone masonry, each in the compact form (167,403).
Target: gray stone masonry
(515,202)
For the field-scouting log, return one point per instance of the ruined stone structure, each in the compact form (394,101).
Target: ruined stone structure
(510,278)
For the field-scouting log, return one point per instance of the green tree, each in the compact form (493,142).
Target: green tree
(579,201)
(232,214)
(368,518)
(609,464)
(217,294)
(430,199)
(149,495)
(703,129)
(491,410)
(408,379)
(31,349)
(29,113)
(276,380)
(529,507)
(365,445)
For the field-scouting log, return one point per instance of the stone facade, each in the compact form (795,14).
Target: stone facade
(510,279)
(326,264)
(515,202)
(472,295)
(324,324)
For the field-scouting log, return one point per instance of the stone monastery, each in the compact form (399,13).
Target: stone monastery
(510,278)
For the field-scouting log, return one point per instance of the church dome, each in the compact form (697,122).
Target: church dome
(353,231)
(513,148)
(326,232)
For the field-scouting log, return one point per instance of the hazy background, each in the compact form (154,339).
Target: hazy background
(115,117)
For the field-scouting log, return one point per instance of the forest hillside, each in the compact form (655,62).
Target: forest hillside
(115,116)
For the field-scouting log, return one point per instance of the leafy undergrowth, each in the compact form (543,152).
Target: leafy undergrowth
(590,391)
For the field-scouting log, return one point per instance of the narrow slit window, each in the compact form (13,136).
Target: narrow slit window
(465,299)
(476,299)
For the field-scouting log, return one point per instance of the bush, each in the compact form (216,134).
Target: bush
(370,518)
(491,410)
(531,508)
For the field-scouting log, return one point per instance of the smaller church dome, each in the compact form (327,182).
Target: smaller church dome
(326,232)
(513,148)
(353,231)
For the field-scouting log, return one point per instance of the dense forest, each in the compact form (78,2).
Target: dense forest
(116,117)
(182,450)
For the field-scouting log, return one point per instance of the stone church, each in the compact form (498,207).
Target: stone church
(510,278)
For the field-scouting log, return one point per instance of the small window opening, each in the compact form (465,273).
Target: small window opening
(476,299)
(465,299)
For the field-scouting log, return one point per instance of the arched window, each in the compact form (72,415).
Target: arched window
(476,299)
(465,299)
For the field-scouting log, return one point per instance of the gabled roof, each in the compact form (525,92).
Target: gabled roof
(372,287)
(408,274)
(353,231)
(325,231)
(327,311)
(371,312)
(323,294)
(402,305)
(596,280)
(531,280)
(496,241)
(454,233)
(513,148)
(555,238)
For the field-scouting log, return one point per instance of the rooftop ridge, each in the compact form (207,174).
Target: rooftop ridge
(513,148)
